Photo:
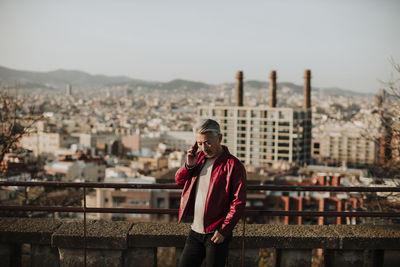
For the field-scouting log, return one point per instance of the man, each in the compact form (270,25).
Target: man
(214,194)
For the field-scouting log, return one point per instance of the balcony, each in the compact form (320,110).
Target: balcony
(55,242)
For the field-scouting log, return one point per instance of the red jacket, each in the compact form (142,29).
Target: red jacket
(226,197)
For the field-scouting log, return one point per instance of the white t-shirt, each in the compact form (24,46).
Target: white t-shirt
(202,186)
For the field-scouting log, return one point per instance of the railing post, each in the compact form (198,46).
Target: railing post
(84,226)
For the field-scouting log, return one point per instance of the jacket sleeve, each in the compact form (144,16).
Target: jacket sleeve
(182,175)
(238,199)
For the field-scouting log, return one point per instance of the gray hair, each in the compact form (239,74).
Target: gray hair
(206,126)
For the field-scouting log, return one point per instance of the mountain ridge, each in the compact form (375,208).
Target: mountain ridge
(58,79)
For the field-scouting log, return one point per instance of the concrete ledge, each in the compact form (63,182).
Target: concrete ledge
(162,234)
(28,230)
(99,235)
(123,235)
(320,236)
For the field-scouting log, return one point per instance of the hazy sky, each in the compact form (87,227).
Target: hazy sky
(345,43)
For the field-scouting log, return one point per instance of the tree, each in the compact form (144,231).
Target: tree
(387,114)
(16,119)
(393,87)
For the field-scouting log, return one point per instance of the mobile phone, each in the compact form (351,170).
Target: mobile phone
(195,147)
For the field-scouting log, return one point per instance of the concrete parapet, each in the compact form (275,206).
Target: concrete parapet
(10,255)
(141,257)
(99,235)
(251,257)
(320,236)
(162,234)
(27,230)
(94,257)
(37,232)
(110,243)
(293,257)
(341,258)
(44,255)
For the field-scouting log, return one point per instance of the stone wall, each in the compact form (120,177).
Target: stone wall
(109,243)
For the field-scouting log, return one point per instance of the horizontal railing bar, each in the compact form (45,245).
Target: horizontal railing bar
(175,211)
(89,210)
(323,188)
(93,185)
(323,213)
(174,186)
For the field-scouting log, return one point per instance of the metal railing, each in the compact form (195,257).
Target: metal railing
(286,188)
(84,209)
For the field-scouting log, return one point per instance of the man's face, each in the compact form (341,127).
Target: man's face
(209,143)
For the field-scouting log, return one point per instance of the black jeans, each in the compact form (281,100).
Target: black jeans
(199,246)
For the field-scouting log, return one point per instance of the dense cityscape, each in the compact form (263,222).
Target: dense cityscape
(130,134)
(199,133)
(139,134)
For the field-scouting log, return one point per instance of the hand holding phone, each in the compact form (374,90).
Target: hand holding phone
(191,156)
(194,149)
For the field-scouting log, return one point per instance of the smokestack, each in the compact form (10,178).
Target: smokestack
(239,88)
(307,89)
(272,90)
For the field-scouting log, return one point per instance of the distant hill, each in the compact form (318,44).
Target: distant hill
(183,84)
(58,79)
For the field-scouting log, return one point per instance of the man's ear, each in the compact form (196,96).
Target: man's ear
(220,138)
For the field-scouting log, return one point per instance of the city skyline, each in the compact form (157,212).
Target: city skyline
(346,45)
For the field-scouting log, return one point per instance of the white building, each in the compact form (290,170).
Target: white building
(262,136)
(344,144)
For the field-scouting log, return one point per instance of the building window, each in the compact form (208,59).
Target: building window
(271,115)
(242,113)
(135,202)
(258,203)
(255,113)
(117,201)
(160,203)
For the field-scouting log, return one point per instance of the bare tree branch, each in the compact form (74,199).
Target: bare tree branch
(16,118)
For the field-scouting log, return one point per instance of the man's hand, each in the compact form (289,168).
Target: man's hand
(191,156)
(217,238)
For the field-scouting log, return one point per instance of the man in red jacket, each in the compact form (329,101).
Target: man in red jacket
(214,195)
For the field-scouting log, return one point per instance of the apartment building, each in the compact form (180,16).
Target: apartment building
(262,136)
(47,139)
(344,145)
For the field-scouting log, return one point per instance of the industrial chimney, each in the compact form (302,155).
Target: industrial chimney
(239,88)
(307,89)
(272,90)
